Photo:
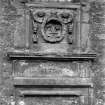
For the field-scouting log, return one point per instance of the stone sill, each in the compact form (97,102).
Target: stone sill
(50,92)
(57,81)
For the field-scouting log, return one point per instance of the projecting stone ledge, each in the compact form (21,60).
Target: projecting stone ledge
(50,56)
(54,81)
(50,92)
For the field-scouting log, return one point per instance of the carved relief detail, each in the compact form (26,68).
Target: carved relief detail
(53,24)
(53,29)
(35,29)
(70,30)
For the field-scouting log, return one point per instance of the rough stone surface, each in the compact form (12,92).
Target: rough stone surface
(97,33)
(12,25)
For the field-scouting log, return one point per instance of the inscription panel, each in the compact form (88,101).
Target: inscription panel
(52,69)
(45,69)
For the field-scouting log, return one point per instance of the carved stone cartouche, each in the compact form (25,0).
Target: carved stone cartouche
(53,25)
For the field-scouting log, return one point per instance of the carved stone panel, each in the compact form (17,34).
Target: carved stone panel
(52,26)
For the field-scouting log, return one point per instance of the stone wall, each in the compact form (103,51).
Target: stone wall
(97,33)
(11,23)
(10,17)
